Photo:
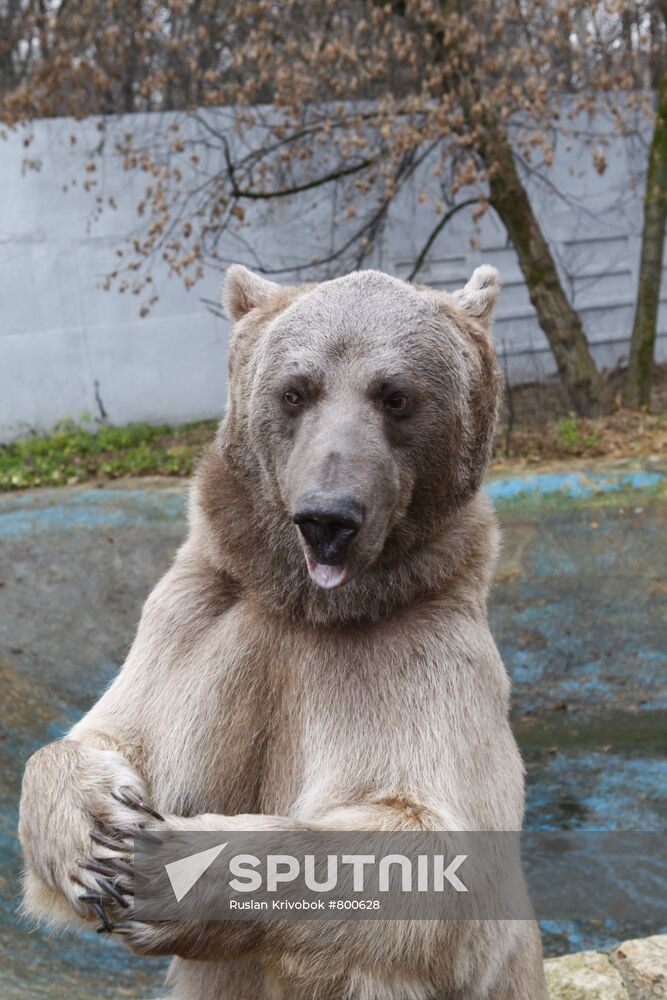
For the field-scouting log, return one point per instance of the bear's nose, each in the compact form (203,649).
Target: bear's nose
(328,524)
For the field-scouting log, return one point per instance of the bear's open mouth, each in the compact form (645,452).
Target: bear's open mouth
(325,576)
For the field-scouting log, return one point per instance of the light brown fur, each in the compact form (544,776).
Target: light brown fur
(252,699)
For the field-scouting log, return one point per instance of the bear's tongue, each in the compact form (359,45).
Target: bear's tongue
(325,576)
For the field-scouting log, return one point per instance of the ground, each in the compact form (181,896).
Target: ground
(88,451)
(536,423)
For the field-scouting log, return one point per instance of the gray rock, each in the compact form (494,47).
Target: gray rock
(643,965)
(588,975)
(636,970)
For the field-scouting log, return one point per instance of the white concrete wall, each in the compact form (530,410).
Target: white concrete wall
(60,332)
(65,342)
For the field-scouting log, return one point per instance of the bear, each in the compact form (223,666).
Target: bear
(318,657)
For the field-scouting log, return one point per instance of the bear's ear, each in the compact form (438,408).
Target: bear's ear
(243,290)
(479,296)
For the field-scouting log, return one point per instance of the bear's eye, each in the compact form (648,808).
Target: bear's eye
(292,398)
(396,402)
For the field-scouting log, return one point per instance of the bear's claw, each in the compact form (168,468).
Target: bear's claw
(93,897)
(120,866)
(108,869)
(95,865)
(113,891)
(103,841)
(128,798)
(106,925)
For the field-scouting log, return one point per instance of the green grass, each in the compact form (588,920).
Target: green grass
(88,450)
(77,453)
(575,435)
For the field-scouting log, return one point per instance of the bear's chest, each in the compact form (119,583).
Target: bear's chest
(275,709)
(232,717)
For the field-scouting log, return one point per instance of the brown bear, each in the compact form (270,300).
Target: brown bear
(318,657)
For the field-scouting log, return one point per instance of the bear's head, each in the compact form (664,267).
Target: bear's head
(359,423)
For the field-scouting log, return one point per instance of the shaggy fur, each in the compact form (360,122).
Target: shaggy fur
(254,699)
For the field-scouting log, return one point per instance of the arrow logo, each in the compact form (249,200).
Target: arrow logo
(184,873)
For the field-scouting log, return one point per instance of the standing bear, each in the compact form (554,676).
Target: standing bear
(318,657)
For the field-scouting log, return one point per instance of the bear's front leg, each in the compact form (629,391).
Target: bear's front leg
(221,940)
(74,797)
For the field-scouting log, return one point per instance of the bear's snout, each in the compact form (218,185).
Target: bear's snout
(328,524)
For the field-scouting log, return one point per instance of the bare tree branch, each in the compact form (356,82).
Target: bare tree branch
(435,232)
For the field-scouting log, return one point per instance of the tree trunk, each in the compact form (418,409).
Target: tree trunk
(637,389)
(559,320)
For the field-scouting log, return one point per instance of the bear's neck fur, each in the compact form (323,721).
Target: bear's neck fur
(247,535)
